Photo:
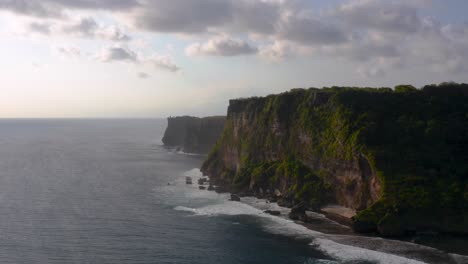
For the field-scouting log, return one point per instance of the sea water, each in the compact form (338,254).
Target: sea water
(107,191)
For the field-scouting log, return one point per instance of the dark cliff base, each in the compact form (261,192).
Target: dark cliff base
(193,134)
(397,157)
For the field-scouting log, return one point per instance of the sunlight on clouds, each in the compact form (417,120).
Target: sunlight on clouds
(129,57)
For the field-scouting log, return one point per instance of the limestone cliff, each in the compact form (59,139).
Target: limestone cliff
(193,134)
(399,157)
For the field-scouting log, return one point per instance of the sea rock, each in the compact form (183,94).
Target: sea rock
(298,212)
(202,181)
(273,212)
(211,188)
(285,203)
(272,199)
(235,197)
(201,187)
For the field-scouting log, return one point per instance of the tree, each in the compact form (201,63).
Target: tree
(405,88)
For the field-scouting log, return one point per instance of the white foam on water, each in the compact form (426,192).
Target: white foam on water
(320,261)
(188,153)
(186,209)
(195,173)
(226,208)
(283,226)
(350,253)
(181,152)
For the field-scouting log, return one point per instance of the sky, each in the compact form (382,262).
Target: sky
(158,58)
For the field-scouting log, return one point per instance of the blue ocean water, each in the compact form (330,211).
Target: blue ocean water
(107,191)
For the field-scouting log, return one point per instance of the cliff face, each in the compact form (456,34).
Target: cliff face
(401,159)
(193,134)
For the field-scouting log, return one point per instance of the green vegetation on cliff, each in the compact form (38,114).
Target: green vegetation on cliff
(193,134)
(399,156)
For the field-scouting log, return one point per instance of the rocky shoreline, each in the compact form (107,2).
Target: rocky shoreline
(298,210)
(341,216)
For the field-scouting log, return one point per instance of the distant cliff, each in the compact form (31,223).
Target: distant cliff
(193,134)
(400,158)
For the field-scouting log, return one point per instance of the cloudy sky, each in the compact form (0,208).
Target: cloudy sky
(153,58)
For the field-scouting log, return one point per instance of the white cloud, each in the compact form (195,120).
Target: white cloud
(112,33)
(180,16)
(68,51)
(32,8)
(143,75)
(56,8)
(372,34)
(85,27)
(117,53)
(221,46)
(276,51)
(40,27)
(162,62)
(307,30)
(389,16)
(124,54)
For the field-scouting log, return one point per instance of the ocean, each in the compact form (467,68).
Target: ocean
(108,191)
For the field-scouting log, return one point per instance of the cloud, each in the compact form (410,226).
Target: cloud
(117,53)
(181,16)
(310,31)
(221,46)
(85,27)
(371,72)
(124,54)
(112,33)
(89,28)
(374,35)
(389,16)
(258,17)
(278,20)
(393,35)
(276,51)
(162,62)
(69,51)
(95,4)
(365,48)
(38,27)
(55,8)
(143,75)
(205,16)
(30,7)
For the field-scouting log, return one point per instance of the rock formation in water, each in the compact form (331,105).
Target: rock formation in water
(399,157)
(193,134)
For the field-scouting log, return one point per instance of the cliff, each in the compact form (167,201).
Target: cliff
(400,158)
(193,134)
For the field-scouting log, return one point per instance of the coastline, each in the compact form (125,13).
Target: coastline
(329,230)
(333,225)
